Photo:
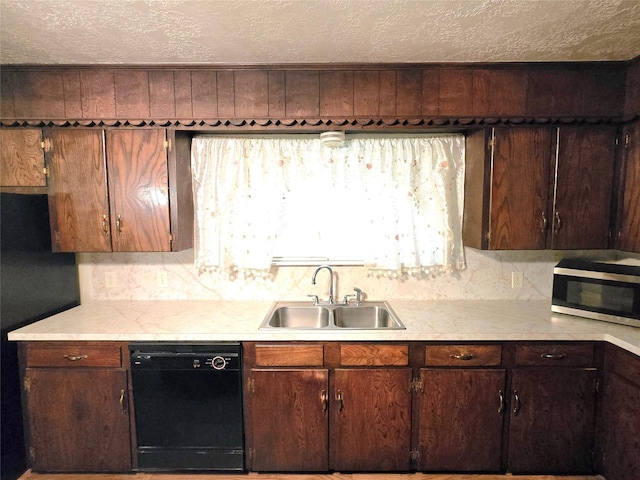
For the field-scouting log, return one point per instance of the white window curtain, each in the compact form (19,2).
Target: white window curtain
(410,198)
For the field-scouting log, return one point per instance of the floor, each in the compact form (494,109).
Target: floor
(266,476)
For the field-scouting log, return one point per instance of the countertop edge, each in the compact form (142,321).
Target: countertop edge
(426,321)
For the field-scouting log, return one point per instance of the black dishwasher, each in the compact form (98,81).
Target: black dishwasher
(188,406)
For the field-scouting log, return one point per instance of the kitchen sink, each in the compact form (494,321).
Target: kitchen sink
(373,316)
(303,315)
(291,316)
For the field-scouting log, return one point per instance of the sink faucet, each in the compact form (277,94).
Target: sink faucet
(358,296)
(313,280)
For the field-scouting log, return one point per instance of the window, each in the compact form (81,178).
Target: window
(391,203)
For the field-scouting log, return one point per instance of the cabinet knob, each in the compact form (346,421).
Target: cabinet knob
(122,405)
(516,402)
(119,224)
(500,401)
(105,224)
(558,223)
(463,356)
(324,400)
(339,399)
(553,356)
(544,223)
(75,358)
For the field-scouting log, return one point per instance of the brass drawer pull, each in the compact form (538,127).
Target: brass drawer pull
(464,357)
(500,401)
(340,401)
(324,400)
(75,358)
(544,223)
(553,356)
(516,402)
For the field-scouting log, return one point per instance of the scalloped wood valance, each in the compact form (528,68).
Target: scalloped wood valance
(353,97)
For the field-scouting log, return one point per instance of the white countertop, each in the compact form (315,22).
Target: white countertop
(239,321)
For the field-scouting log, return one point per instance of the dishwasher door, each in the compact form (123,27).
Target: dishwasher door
(188,406)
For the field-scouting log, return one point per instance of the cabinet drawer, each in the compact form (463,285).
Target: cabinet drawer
(463,355)
(373,354)
(560,354)
(289,355)
(73,355)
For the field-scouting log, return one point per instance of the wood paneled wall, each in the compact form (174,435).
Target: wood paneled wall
(353,95)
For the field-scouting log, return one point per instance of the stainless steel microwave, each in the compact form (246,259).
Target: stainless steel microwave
(601,291)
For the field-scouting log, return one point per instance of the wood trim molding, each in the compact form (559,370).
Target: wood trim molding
(315,123)
(312,97)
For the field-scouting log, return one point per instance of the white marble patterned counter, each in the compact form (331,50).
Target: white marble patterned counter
(239,321)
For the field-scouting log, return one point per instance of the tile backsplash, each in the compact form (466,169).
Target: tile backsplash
(172,276)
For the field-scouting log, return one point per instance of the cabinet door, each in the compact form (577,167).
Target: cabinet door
(621,442)
(520,187)
(289,420)
(138,190)
(78,201)
(584,185)
(78,420)
(371,419)
(552,420)
(461,416)
(629,236)
(21,158)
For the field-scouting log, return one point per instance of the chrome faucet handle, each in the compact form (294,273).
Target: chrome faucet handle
(316,300)
(345,300)
(358,296)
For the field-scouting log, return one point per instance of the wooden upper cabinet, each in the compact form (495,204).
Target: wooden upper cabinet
(119,200)
(584,186)
(138,190)
(22,158)
(533,188)
(507,188)
(628,237)
(78,198)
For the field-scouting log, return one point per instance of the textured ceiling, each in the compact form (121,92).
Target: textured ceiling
(316,31)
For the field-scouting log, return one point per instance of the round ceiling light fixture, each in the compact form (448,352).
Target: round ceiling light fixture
(334,138)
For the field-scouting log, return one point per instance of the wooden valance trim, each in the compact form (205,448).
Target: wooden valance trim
(313,123)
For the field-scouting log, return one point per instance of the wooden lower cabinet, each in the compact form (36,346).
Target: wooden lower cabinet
(525,408)
(77,416)
(619,438)
(461,413)
(290,426)
(371,419)
(299,393)
(552,420)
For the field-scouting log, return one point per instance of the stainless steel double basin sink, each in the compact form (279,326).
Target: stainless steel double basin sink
(305,316)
